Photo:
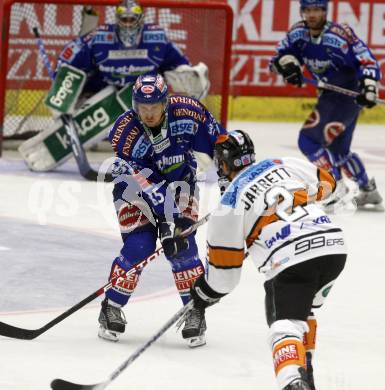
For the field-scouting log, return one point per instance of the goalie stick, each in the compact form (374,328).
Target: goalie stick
(78,151)
(29,334)
(61,384)
(335,88)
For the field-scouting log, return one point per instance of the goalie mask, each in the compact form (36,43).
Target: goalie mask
(236,149)
(129,19)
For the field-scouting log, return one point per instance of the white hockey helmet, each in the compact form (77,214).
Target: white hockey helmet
(129,19)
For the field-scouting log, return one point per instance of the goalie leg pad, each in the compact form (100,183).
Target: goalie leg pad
(52,147)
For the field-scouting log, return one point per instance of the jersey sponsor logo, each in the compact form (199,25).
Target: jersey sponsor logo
(317,66)
(119,130)
(104,37)
(168,164)
(336,42)
(127,54)
(297,34)
(287,352)
(183,126)
(366,59)
(278,263)
(154,37)
(130,217)
(187,112)
(70,51)
(131,137)
(283,234)
(317,221)
(185,279)
(185,100)
(141,147)
(161,146)
(122,71)
(315,243)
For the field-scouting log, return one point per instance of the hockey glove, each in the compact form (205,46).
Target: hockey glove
(290,69)
(203,295)
(168,232)
(368,93)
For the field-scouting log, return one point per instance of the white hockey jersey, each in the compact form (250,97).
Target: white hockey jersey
(269,210)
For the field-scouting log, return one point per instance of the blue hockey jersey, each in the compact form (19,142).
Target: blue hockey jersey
(108,61)
(337,55)
(169,156)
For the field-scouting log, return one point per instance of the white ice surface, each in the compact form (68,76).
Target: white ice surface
(351,337)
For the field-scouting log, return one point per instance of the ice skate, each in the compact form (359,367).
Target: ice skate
(299,383)
(369,198)
(194,328)
(112,321)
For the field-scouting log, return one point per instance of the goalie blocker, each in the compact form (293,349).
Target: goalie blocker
(95,116)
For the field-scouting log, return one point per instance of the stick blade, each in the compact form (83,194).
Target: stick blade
(18,333)
(61,384)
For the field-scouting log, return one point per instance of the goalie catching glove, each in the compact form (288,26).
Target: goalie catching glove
(189,80)
(203,295)
(368,93)
(289,67)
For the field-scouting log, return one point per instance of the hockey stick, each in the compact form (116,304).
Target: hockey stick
(29,334)
(335,88)
(61,384)
(78,151)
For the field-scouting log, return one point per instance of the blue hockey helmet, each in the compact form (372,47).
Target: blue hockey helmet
(236,149)
(314,3)
(149,89)
(130,20)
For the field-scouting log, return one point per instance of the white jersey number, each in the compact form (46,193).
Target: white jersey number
(284,201)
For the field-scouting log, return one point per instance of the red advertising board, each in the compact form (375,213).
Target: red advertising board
(260,24)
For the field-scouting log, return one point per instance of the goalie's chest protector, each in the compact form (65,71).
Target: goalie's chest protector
(120,65)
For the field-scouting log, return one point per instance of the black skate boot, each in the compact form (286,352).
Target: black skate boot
(194,328)
(112,321)
(299,383)
(369,196)
(309,371)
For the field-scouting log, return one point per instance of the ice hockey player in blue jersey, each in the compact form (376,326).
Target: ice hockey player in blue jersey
(94,77)
(334,54)
(157,144)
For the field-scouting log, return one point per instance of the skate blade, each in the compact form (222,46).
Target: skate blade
(106,334)
(197,341)
(379,208)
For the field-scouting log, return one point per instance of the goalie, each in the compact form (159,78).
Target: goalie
(94,79)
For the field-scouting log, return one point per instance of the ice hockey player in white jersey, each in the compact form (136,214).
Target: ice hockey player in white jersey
(270,211)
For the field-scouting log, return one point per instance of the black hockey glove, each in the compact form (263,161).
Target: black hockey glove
(368,93)
(290,69)
(168,233)
(203,295)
